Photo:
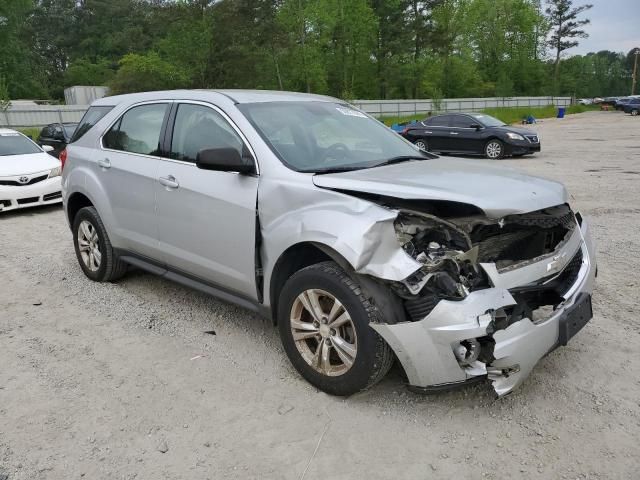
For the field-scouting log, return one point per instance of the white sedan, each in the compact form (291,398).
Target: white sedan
(29,176)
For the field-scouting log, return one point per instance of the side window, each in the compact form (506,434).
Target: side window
(197,128)
(441,121)
(461,121)
(138,130)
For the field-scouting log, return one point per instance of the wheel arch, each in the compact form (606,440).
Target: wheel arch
(76,201)
(295,258)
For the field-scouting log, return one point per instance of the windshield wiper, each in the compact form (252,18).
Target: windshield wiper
(400,159)
(345,168)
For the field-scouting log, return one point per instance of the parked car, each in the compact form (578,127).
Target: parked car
(586,101)
(360,247)
(611,101)
(28,176)
(621,102)
(57,135)
(471,133)
(632,106)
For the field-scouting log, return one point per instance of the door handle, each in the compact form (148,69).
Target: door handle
(104,163)
(454,133)
(428,131)
(169,181)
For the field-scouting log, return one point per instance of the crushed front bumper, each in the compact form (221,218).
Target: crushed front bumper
(426,348)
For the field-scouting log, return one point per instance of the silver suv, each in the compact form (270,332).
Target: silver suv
(361,248)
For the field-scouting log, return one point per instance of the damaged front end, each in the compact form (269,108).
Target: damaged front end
(492,296)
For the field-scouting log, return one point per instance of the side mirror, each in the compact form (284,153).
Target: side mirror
(477,126)
(47,148)
(224,160)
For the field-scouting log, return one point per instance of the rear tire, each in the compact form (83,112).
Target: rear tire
(94,251)
(334,348)
(494,149)
(422,145)
(635,112)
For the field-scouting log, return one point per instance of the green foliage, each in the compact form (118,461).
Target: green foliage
(345,48)
(139,73)
(5,100)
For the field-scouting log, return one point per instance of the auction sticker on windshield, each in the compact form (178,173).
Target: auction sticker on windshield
(350,112)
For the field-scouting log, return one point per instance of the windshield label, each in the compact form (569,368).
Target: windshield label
(350,113)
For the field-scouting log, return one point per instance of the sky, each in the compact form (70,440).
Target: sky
(615,25)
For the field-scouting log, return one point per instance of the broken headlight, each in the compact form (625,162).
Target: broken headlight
(448,259)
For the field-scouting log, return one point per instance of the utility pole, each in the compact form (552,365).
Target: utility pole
(635,71)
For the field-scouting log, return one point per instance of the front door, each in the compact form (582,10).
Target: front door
(206,219)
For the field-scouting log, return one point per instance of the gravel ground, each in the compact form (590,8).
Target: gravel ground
(120,381)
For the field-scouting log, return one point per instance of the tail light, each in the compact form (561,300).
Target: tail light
(404,130)
(63,158)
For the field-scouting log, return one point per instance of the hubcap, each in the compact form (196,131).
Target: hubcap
(493,150)
(421,145)
(323,332)
(89,245)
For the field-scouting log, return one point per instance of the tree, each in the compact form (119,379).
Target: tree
(5,100)
(566,28)
(140,73)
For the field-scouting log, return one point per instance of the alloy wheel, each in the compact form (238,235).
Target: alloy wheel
(634,112)
(422,145)
(323,332)
(89,245)
(494,150)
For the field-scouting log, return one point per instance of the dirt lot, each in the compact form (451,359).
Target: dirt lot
(121,380)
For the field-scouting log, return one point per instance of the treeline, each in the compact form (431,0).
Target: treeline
(346,48)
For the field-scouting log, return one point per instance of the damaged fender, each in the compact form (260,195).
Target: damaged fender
(361,232)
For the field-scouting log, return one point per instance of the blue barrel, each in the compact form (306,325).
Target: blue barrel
(561,112)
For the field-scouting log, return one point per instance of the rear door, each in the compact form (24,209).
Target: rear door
(436,132)
(206,219)
(127,168)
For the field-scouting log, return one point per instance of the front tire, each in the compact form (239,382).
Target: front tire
(94,251)
(323,318)
(494,149)
(635,112)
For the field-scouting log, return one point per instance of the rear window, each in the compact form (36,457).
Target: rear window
(90,118)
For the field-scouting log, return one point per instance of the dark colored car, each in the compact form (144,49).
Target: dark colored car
(632,106)
(57,135)
(611,101)
(622,101)
(471,133)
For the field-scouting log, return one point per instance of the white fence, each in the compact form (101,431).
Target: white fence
(40,115)
(390,108)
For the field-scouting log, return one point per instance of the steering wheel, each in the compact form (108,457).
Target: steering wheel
(336,149)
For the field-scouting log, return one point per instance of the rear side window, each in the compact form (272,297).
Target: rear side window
(441,121)
(89,119)
(138,130)
(197,128)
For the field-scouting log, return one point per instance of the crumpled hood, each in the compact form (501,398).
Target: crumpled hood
(490,186)
(12,165)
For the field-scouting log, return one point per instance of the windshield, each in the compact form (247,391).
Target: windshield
(323,136)
(16,144)
(488,120)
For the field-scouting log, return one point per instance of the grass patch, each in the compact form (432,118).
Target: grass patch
(508,115)
(30,132)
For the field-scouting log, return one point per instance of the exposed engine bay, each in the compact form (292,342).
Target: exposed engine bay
(451,250)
